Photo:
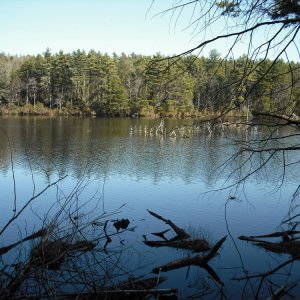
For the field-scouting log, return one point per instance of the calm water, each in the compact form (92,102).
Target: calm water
(118,167)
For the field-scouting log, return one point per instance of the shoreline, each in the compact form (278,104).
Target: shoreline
(42,111)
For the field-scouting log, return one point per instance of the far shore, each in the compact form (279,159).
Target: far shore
(40,110)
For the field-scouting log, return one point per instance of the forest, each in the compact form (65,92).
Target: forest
(94,83)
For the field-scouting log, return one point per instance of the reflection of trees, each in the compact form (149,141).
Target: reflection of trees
(104,147)
(139,148)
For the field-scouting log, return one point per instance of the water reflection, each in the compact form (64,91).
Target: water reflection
(167,175)
(71,145)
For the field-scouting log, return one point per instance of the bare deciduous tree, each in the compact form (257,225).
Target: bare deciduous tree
(268,32)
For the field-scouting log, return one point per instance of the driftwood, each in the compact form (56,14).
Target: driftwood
(198,260)
(181,234)
(40,233)
(195,245)
(276,234)
(251,239)
(181,240)
(289,247)
(288,243)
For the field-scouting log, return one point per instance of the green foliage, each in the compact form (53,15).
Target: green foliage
(229,7)
(88,83)
(285,8)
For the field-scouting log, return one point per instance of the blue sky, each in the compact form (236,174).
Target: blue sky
(31,26)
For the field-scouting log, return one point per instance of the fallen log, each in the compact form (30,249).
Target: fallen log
(198,260)
(289,247)
(195,245)
(277,234)
(252,239)
(181,234)
(285,246)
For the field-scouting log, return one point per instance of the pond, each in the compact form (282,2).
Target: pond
(122,167)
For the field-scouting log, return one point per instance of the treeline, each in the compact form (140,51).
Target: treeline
(96,83)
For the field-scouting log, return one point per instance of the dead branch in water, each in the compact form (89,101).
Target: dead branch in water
(181,234)
(288,244)
(161,234)
(195,245)
(40,233)
(251,239)
(288,247)
(276,234)
(200,261)
(180,241)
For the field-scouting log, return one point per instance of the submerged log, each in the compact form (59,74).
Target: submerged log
(277,234)
(287,245)
(198,260)
(195,245)
(40,233)
(251,239)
